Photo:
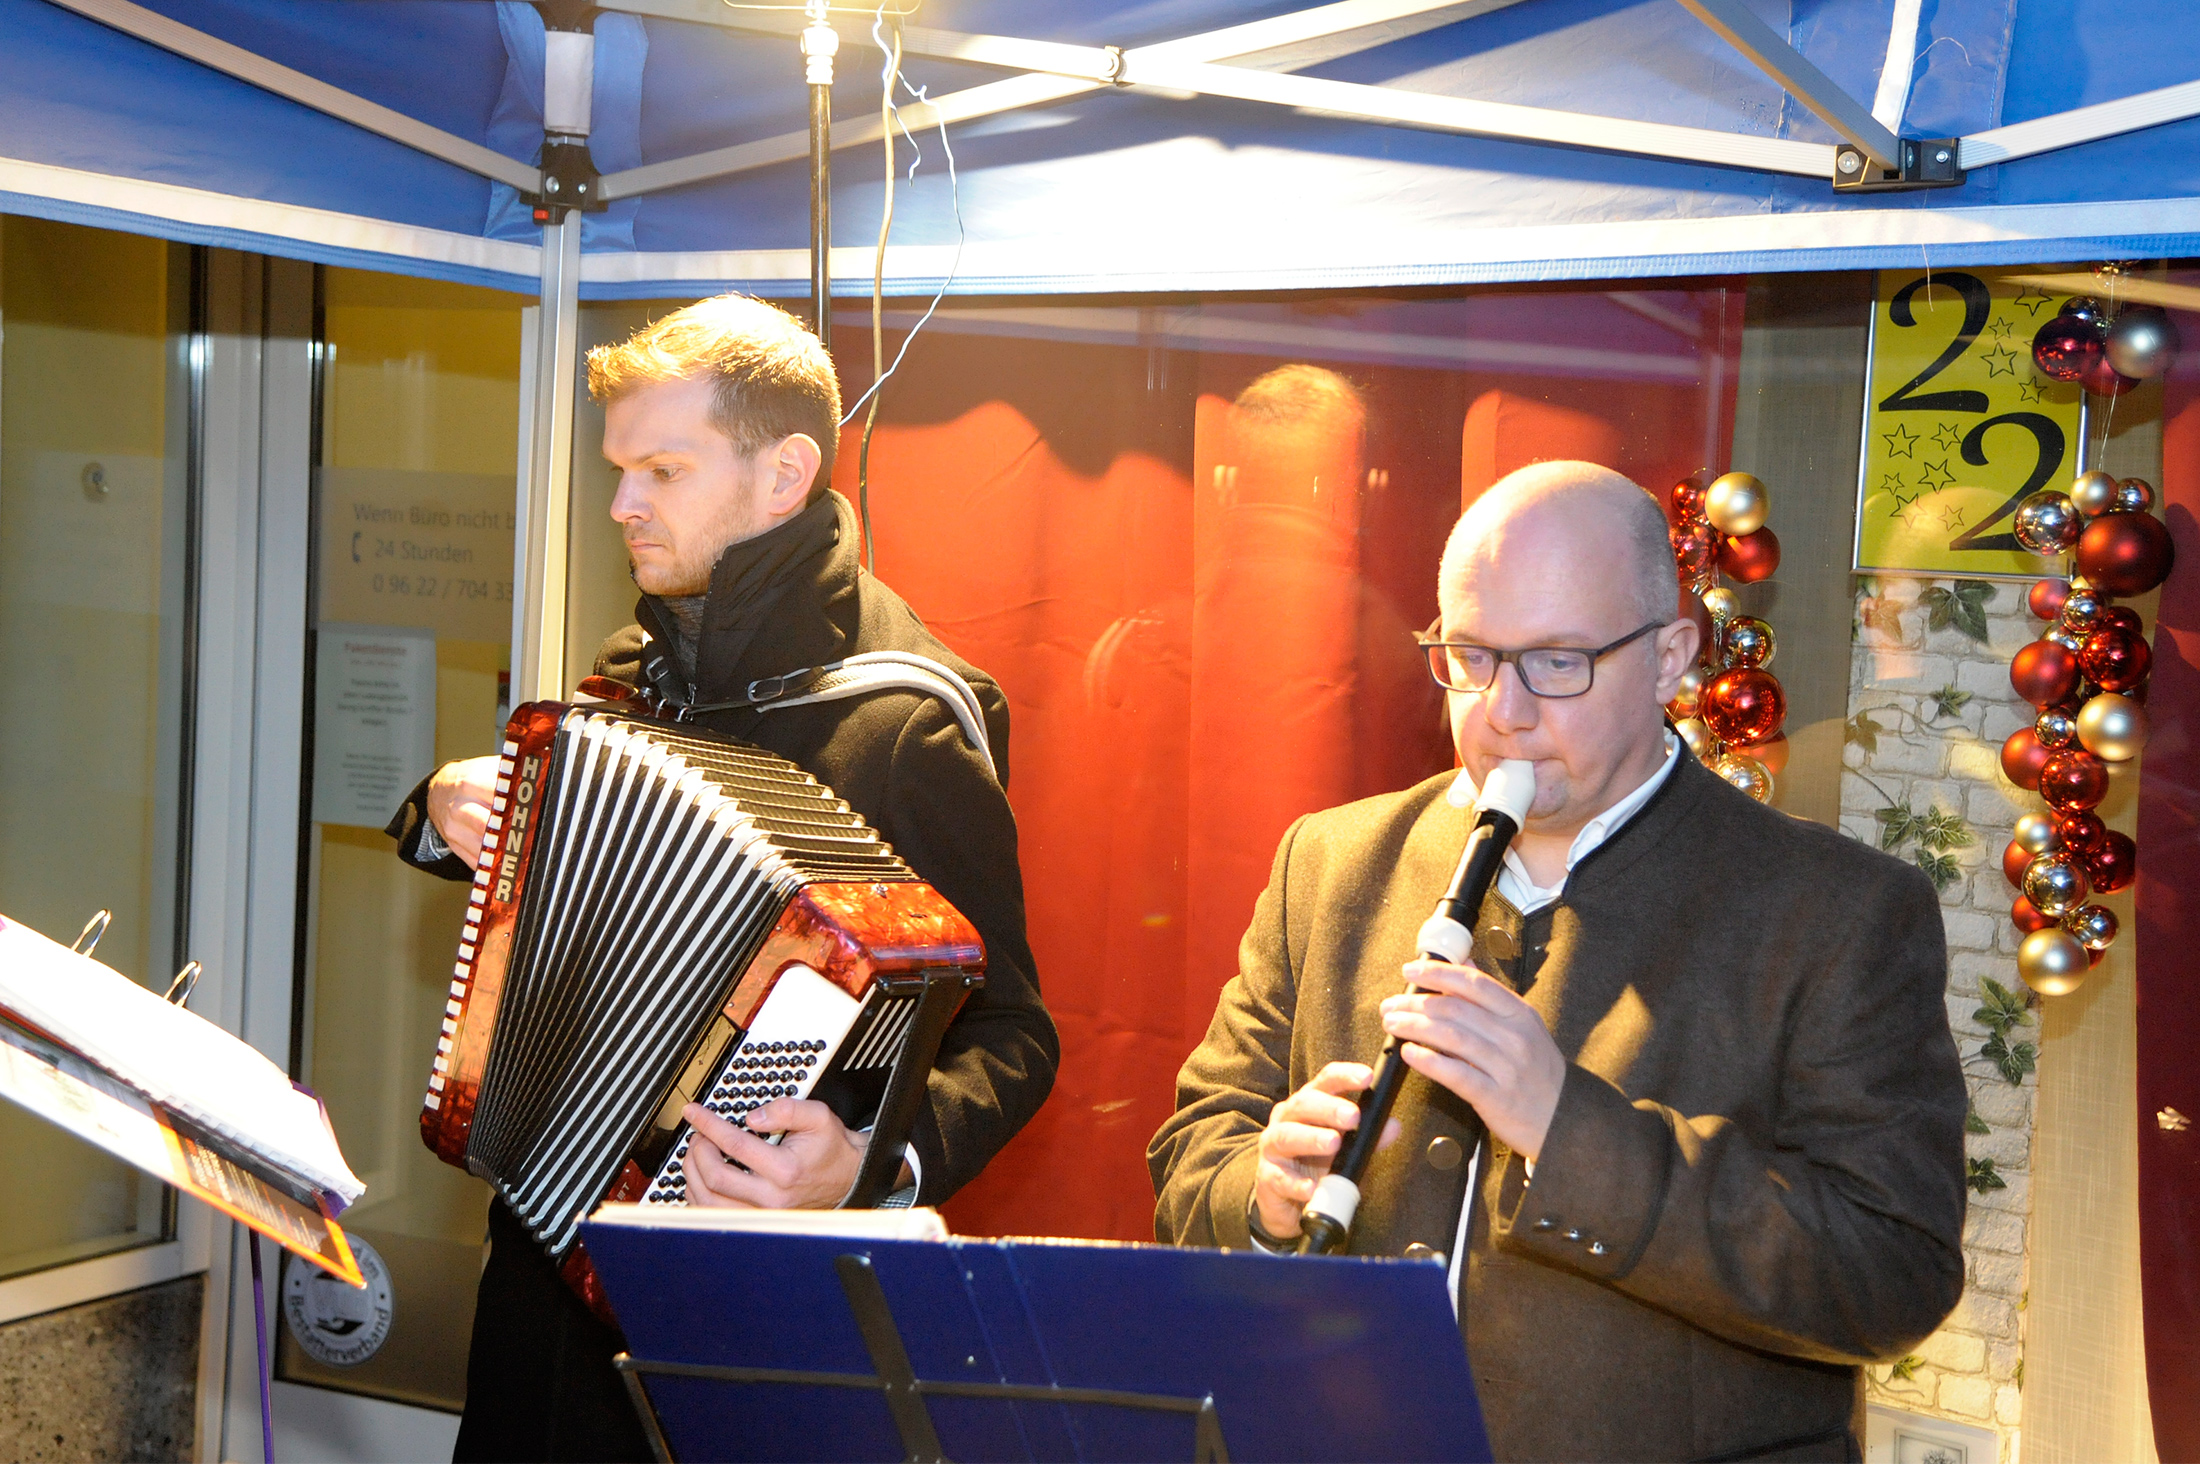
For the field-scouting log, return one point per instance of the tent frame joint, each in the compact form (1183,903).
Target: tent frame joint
(1925,162)
(569,180)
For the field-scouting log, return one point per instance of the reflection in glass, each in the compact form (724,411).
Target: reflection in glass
(92,549)
(414,504)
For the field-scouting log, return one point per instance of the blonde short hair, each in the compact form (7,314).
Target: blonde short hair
(774,376)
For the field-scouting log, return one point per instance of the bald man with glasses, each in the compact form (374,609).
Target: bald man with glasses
(1688,1129)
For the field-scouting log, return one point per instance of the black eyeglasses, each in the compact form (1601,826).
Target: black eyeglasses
(1553,672)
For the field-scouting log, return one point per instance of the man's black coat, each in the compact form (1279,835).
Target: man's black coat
(539,1381)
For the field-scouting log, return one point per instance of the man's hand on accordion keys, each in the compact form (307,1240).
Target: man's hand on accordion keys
(458,804)
(810,1168)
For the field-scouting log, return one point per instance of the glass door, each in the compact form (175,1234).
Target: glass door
(412,618)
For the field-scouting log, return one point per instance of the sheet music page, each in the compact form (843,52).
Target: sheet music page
(896,1224)
(172,1056)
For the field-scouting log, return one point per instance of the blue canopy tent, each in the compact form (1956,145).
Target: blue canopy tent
(1170,145)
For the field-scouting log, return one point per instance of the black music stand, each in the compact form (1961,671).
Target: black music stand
(819,1347)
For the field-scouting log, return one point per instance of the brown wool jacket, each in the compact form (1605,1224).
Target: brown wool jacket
(1754,1181)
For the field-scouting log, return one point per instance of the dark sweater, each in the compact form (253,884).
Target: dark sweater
(1754,1180)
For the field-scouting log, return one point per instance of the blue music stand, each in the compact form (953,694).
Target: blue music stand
(806,1347)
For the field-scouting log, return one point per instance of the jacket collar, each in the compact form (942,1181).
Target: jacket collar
(784,600)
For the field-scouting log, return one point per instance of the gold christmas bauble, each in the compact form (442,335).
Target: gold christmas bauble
(2053,962)
(2094,493)
(1748,641)
(1747,774)
(1736,504)
(1697,734)
(1723,603)
(2036,832)
(2111,727)
(1689,698)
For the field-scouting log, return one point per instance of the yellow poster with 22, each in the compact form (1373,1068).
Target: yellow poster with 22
(1959,428)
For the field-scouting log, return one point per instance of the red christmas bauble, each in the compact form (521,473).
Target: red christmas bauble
(2043,673)
(2125,553)
(2116,659)
(1694,547)
(2102,379)
(2081,831)
(2014,861)
(2112,866)
(2028,919)
(2067,347)
(2122,615)
(2045,599)
(1744,706)
(2073,780)
(2022,757)
(1688,501)
(1751,558)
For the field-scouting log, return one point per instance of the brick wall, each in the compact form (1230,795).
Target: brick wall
(1930,704)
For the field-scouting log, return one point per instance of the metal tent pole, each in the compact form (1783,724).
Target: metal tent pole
(819,42)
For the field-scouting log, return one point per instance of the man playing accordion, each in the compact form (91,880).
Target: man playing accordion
(722,420)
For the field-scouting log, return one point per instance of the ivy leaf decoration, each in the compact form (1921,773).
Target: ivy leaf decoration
(1969,610)
(1864,732)
(1883,615)
(2000,1008)
(1973,1124)
(1906,1368)
(1895,827)
(2011,1062)
(1939,830)
(1947,702)
(1941,869)
(1982,1176)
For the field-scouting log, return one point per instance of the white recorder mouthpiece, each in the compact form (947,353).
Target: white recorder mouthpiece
(1509,789)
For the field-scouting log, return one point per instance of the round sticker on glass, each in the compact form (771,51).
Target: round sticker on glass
(335,1322)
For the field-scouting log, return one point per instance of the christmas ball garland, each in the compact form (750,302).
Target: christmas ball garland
(2086,676)
(1730,707)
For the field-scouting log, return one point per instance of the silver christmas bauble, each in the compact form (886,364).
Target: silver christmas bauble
(1747,774)
(2142,342)
(2093,925)
(2062,635)
(2094,493)
(1748,641)
(2055,884)
(2083,610)
(2048,523)
(2055,728)
(2036,832)
(2134,495)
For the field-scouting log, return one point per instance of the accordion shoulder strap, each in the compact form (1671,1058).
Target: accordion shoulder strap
(871,671)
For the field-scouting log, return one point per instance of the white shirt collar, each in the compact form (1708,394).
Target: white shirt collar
(1525,895)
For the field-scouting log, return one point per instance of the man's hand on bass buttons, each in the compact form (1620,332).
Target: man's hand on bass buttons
(810,1168)
(1305,1132)
(458,804)
(1471,1033)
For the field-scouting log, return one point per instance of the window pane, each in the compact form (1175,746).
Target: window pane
(91,590)
(415,489)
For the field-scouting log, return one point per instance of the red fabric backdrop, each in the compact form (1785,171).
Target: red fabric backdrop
(2166,907)
(1202,613)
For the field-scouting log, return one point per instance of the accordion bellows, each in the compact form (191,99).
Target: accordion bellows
(664,915)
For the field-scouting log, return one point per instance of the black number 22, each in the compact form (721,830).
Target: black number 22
(2047,439)
(1978,303)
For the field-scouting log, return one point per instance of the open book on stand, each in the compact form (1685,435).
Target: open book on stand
(91,1050)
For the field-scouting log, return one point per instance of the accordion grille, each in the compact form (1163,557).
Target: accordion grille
(661,862)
